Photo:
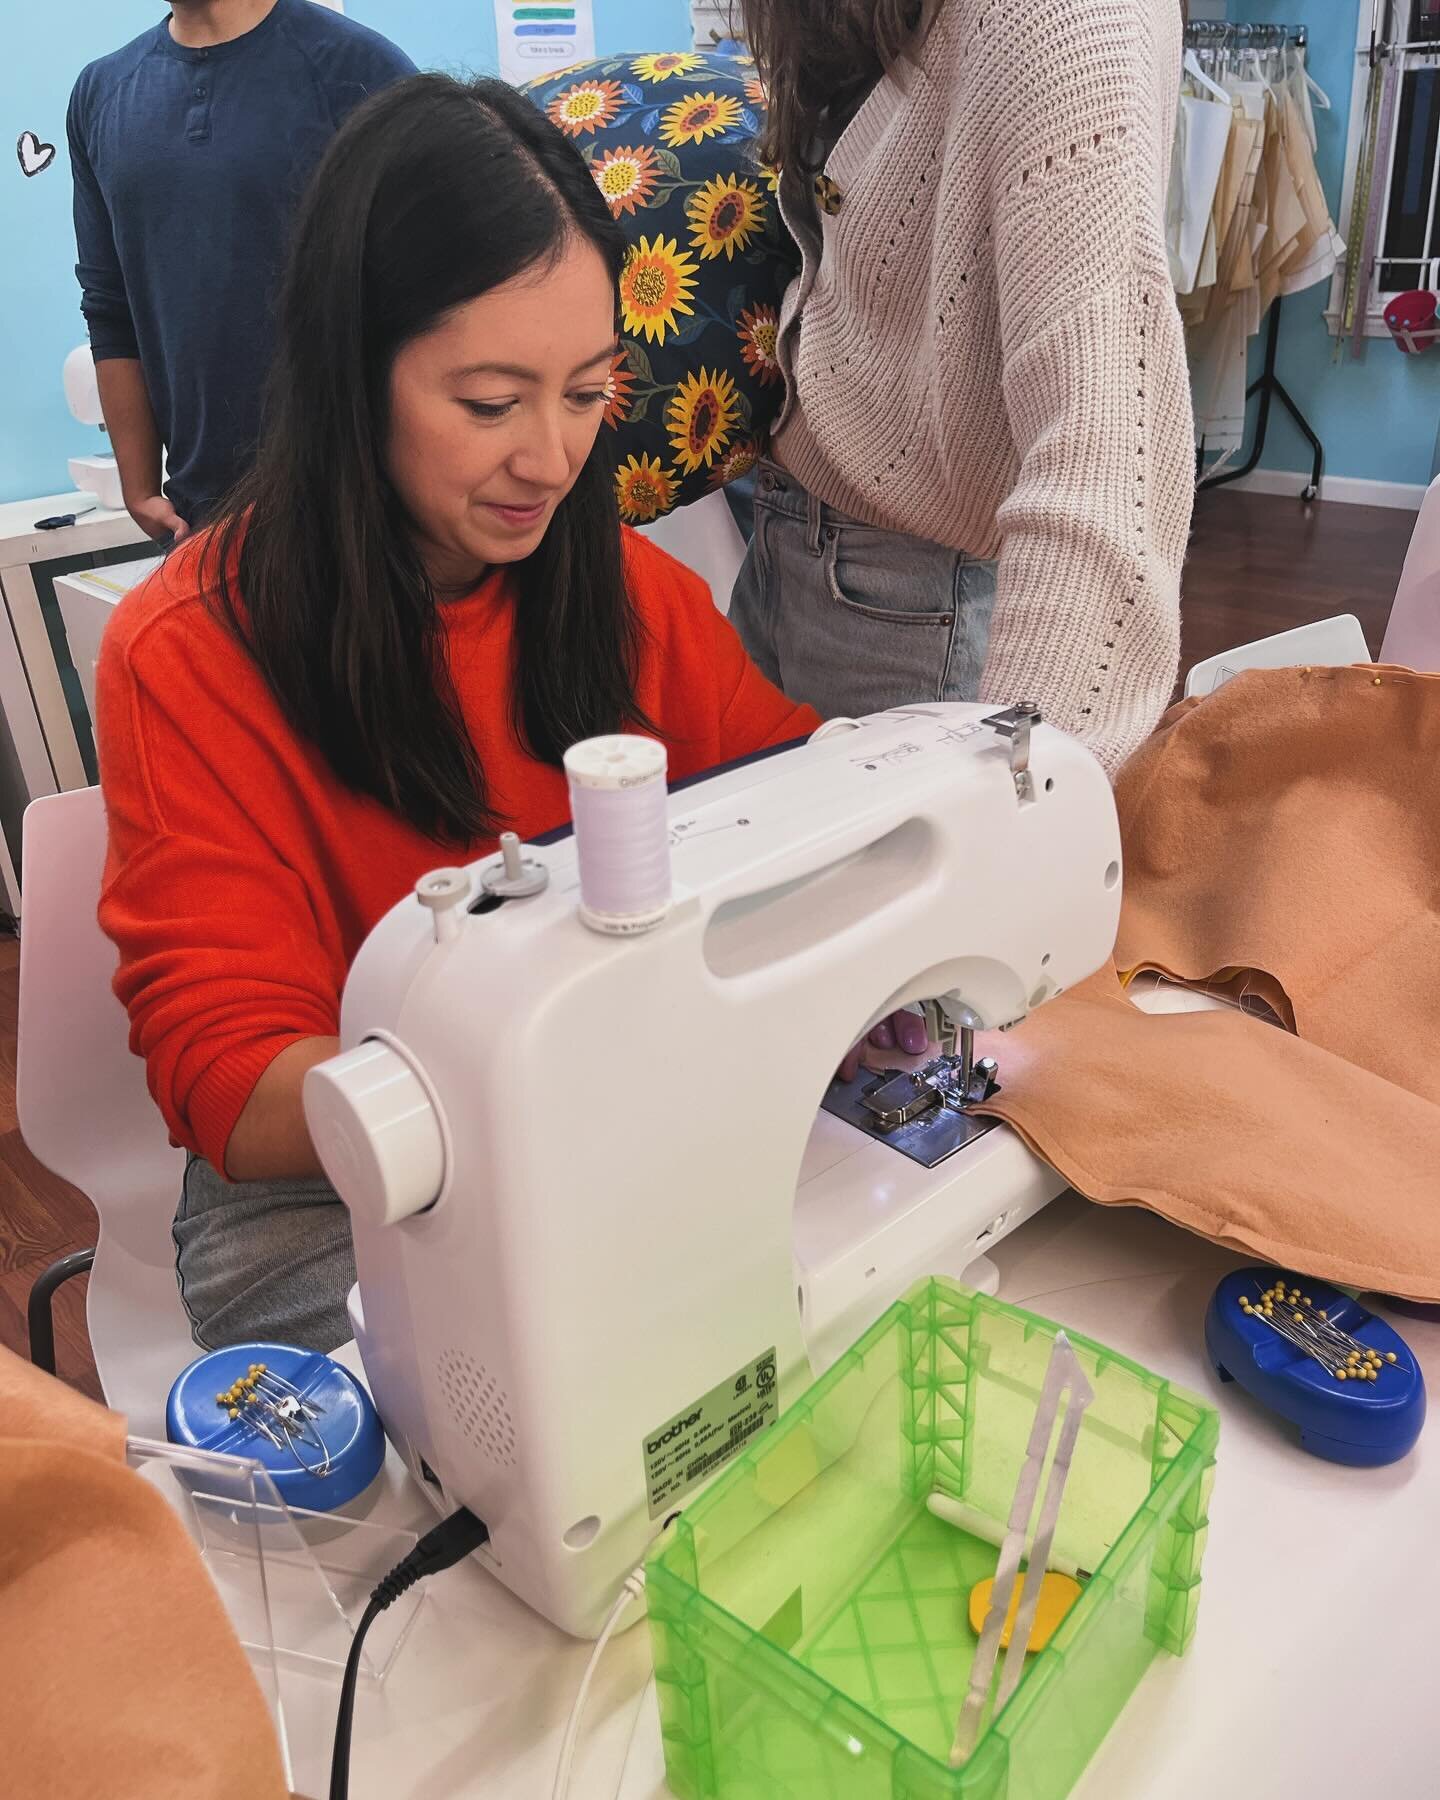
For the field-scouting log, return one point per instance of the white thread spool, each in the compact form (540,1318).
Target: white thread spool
(622,832)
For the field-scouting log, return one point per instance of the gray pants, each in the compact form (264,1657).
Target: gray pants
(852,618)
(267,1261)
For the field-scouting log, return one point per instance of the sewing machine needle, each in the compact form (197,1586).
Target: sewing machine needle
(967,1063)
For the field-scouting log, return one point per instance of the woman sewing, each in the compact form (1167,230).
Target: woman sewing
(981,481)
(376,659)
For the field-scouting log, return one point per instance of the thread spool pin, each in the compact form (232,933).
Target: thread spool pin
(512,875)
(443,892)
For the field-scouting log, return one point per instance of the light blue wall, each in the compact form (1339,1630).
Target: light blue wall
(39,302)
(1377,418)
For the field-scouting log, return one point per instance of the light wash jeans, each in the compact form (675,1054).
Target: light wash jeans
(267,1261)
(853,618)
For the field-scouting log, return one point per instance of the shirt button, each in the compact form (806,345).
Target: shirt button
(827,192)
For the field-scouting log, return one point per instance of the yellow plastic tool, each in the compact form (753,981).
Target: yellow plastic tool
(1058,1593)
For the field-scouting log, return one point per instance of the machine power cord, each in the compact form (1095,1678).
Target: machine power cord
(451,1541)
(634,1589)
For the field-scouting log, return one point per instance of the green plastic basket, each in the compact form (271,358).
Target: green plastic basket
(810,1614)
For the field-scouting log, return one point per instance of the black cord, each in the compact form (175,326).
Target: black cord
(450,1542)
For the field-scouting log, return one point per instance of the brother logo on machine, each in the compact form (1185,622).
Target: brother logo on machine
(680,1425)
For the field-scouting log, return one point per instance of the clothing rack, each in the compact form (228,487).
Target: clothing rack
(1219,34)
(1224,40)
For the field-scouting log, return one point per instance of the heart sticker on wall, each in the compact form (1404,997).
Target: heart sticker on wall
(34,156)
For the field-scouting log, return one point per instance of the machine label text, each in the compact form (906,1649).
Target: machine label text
(689,1448)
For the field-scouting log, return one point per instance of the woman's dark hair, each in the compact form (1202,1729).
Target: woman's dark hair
(432,193)
(819,59)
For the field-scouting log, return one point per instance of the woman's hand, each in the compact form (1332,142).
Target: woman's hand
(903,1034)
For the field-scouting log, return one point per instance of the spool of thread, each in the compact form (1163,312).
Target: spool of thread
(622,832)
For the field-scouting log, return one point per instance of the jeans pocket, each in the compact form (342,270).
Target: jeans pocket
(866,624)
(975,603)
(888,579)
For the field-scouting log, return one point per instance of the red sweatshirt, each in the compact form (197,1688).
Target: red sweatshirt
(243,877)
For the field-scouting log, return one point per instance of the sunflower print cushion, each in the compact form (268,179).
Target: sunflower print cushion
(695,387)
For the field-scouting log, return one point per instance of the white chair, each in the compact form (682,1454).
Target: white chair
(1328,643)
(1412,638)
(86,1113)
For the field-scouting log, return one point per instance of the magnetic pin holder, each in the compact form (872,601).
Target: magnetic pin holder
(297,1463)
(1365,1417)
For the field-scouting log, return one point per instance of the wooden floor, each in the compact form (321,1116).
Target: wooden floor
(1257,565)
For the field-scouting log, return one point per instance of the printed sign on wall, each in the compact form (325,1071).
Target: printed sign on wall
(540,36)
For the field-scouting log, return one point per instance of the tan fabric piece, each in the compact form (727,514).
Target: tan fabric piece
(1282,840)
(1234,1130)
(121,1674)
(1288,824)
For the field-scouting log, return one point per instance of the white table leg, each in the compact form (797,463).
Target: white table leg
(27,622)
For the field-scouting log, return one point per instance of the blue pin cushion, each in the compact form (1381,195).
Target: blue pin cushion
(1363,1423)
(348,1425)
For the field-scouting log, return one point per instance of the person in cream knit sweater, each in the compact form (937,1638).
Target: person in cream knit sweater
(981,480)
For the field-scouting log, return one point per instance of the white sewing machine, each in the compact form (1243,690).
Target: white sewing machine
(601,1229)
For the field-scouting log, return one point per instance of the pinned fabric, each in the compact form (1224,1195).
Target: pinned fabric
(1281,842)
(1234,1130)
(1288,825)
(121,1673)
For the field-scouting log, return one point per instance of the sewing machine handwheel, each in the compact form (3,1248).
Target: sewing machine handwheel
(376,1133)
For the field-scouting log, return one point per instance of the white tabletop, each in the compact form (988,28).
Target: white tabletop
(112,583)
(1308,1674)
(101,528)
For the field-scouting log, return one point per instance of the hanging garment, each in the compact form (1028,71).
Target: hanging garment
(1320,248)
(1202,138)
(1307,94)
(1286,221)
(1218,379)
(1270,232)
(1221,319)
(1237,255)
(1275,847)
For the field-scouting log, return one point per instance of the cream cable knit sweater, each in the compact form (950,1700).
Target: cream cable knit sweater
(983,348)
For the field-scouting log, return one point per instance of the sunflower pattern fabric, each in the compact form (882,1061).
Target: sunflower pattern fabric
(695,386)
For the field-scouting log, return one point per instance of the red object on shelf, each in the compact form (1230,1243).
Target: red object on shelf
(1411,318)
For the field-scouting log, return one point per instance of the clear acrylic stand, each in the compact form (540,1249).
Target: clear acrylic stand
(294,1583)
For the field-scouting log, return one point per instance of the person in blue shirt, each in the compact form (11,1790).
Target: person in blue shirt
(190,150)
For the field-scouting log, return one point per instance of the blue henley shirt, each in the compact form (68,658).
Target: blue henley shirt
(188,165)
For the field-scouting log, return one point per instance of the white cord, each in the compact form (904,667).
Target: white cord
(634,1589)
(624,1769)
